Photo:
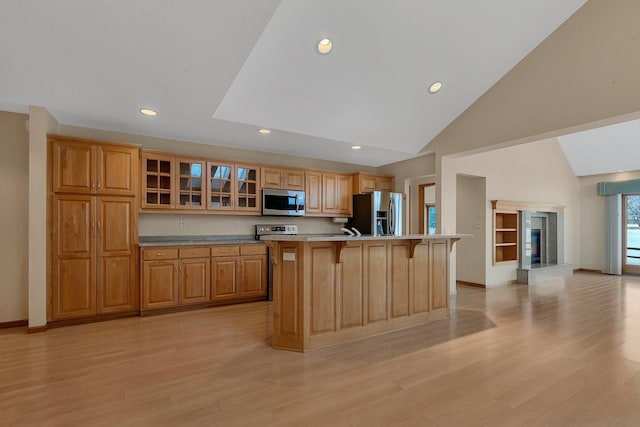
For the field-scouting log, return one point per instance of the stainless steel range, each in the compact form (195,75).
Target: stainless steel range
(270,229)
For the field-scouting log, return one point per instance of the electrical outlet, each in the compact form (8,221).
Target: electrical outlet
(181,222)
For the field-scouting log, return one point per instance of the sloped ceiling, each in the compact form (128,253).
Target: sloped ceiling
(584,76)
(217,71)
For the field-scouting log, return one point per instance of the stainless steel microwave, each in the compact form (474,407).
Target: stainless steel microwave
(282,202)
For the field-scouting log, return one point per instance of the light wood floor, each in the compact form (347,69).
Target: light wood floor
(566,353)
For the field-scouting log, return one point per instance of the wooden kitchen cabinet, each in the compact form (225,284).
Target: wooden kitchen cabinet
(171,182)
(117,285)
(159,284)
(239,272)
(85,167)
(287,179)
(180,276)
(337,194)
(195,275)
(368,182)
(313,194)
(93,254)
(174,277)
(190,184)
(253,269)
(329,194)
(233,188)
(247,189)
(94,228)
(73,284)
(224,278)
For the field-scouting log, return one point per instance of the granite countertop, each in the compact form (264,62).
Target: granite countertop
(151,241)
(346,238)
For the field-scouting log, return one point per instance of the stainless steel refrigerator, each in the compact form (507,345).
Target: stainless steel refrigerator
(378,213)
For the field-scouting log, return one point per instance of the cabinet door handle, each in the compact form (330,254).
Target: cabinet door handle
(93,184)
(99,185)
(98,225)
(160,254)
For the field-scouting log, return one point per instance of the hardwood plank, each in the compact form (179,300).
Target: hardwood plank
(562,353)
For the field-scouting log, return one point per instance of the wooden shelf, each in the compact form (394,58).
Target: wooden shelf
(505,236)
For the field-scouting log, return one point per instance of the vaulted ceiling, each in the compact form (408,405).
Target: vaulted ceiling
(217,71)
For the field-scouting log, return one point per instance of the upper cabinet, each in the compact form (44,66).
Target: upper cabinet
(220,186)
(83,167)
(170,182)
(193,184)
(288,179)
(157,181)
(313,194)
(329,194)
(368,182)
(233,188)
(247,189)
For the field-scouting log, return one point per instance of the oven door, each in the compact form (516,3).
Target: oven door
(282,202)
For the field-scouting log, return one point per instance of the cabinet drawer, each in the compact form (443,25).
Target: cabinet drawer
(255,249)
(225,250)
(194,252)
(160,253)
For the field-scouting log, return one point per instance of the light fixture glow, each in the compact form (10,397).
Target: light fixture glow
(325,46)
(435,87)
(355,147)
(148,112)
(264,131)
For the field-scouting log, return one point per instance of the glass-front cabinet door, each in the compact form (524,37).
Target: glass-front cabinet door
(247,188)
(220,195)
(190,185)
(157,181)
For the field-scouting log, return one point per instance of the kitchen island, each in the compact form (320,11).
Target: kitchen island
(333,289)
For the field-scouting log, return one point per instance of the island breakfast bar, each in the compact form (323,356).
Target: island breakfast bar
(333,289)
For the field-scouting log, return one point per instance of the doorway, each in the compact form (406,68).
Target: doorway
(631,233)
(427,209)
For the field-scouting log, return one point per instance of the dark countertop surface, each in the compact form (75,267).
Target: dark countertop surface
(151,241)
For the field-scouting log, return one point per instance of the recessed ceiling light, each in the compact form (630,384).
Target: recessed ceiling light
(435,87)
(325,46)
(355,147)
(264,131)
(148,112)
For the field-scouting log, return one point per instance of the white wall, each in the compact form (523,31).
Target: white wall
(592,239)
(534,172)
(41,123)
(14,187)
(197,225)
(471,219)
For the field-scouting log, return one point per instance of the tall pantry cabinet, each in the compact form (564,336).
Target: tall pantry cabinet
(93,228)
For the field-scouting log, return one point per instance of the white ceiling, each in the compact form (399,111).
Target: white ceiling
(608,149)
(218,70)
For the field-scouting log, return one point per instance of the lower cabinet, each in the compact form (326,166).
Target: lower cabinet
(238,272)
(174,277)
(93,256)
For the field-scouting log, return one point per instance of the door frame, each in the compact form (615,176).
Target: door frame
(421,209)
(626,269)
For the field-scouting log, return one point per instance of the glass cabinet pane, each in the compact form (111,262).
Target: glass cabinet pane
(190,184)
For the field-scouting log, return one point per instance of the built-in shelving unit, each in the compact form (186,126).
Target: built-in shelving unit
(505,235)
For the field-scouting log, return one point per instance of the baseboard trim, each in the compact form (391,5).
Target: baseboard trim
(37,329)
(14,324)
(475,285)
(93,319)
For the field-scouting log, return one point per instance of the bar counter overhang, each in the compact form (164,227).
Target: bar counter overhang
(332,289)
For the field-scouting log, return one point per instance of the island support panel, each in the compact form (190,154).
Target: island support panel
(331,292)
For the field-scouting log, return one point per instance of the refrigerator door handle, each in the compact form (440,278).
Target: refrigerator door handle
(392,230)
